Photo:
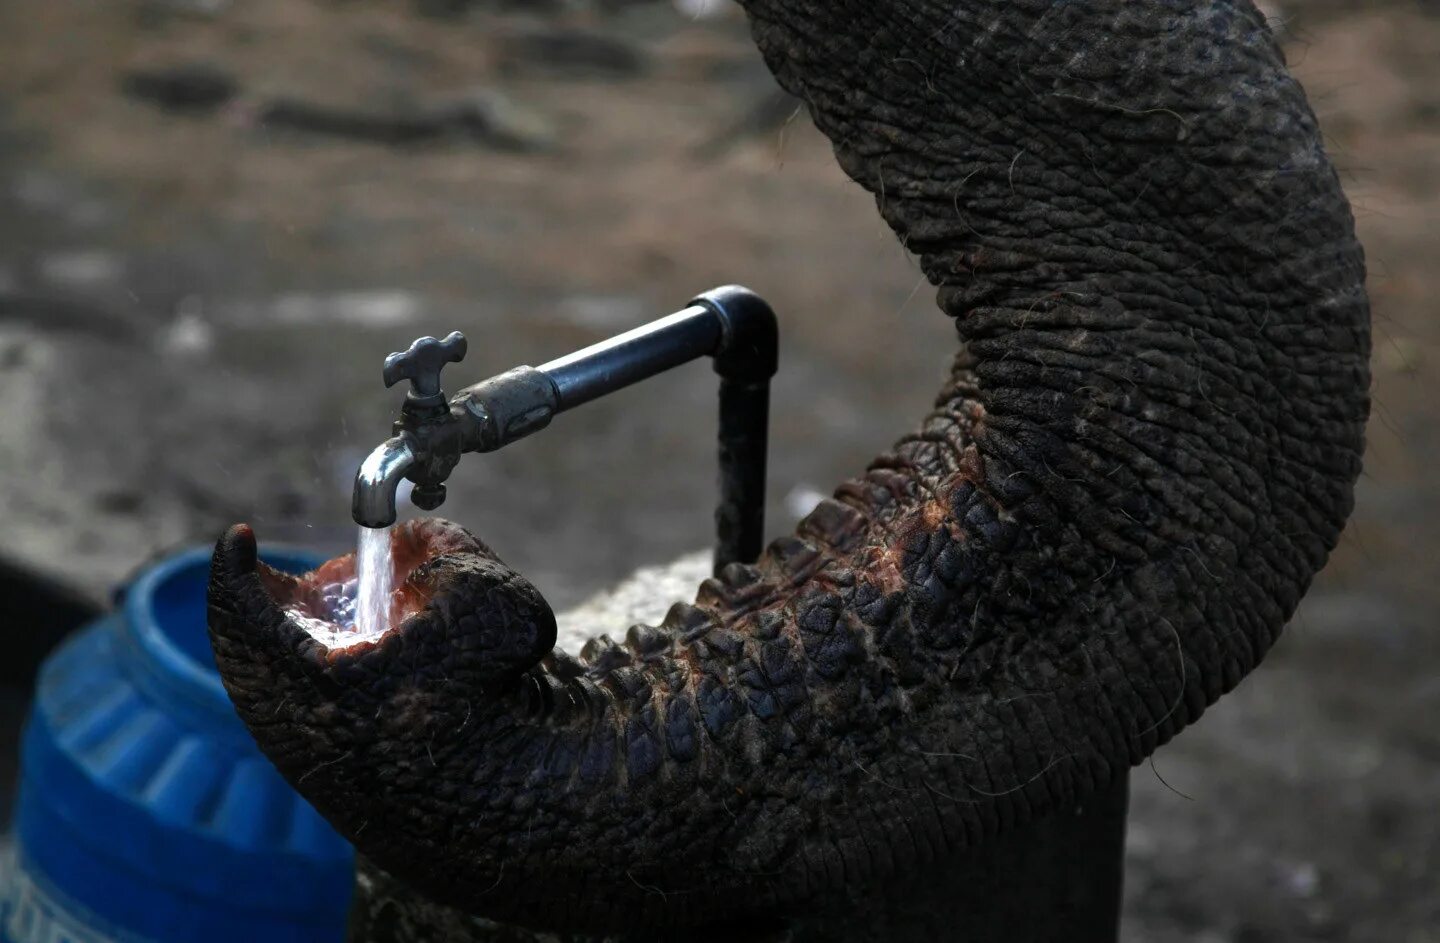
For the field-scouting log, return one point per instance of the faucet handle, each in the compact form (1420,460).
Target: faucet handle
(422,363)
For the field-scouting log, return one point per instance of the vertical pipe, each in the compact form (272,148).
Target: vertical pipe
(746,358)
(744,427)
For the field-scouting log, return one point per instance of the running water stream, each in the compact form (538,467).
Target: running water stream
(357,610)
(376,574)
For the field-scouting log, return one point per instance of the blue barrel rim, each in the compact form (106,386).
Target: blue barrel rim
(143,805)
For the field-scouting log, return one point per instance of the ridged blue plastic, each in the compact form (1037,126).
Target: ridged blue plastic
(145,811)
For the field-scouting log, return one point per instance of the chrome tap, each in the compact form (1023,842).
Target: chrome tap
(731,324)
(425,445)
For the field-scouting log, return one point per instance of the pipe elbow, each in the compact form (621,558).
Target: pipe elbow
(750,344)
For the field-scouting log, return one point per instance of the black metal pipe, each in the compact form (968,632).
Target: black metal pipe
(740,515)
(731,324)
(633,356)
(748,356)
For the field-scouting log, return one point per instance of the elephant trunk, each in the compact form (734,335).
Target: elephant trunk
(1144,452)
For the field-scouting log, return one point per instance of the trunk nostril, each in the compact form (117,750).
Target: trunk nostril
(327,602)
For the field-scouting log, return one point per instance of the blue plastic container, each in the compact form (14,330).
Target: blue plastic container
(145,811)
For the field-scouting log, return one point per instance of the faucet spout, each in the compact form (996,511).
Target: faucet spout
(373,503)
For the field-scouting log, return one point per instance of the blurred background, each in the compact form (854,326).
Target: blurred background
(218,216)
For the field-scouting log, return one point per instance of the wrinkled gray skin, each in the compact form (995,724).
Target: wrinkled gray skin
(1143,454)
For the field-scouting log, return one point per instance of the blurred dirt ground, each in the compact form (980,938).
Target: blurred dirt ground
(197,288)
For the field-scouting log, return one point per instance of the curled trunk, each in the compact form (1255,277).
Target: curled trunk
(1144,452)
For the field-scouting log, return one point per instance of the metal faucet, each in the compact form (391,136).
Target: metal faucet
(731,324)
